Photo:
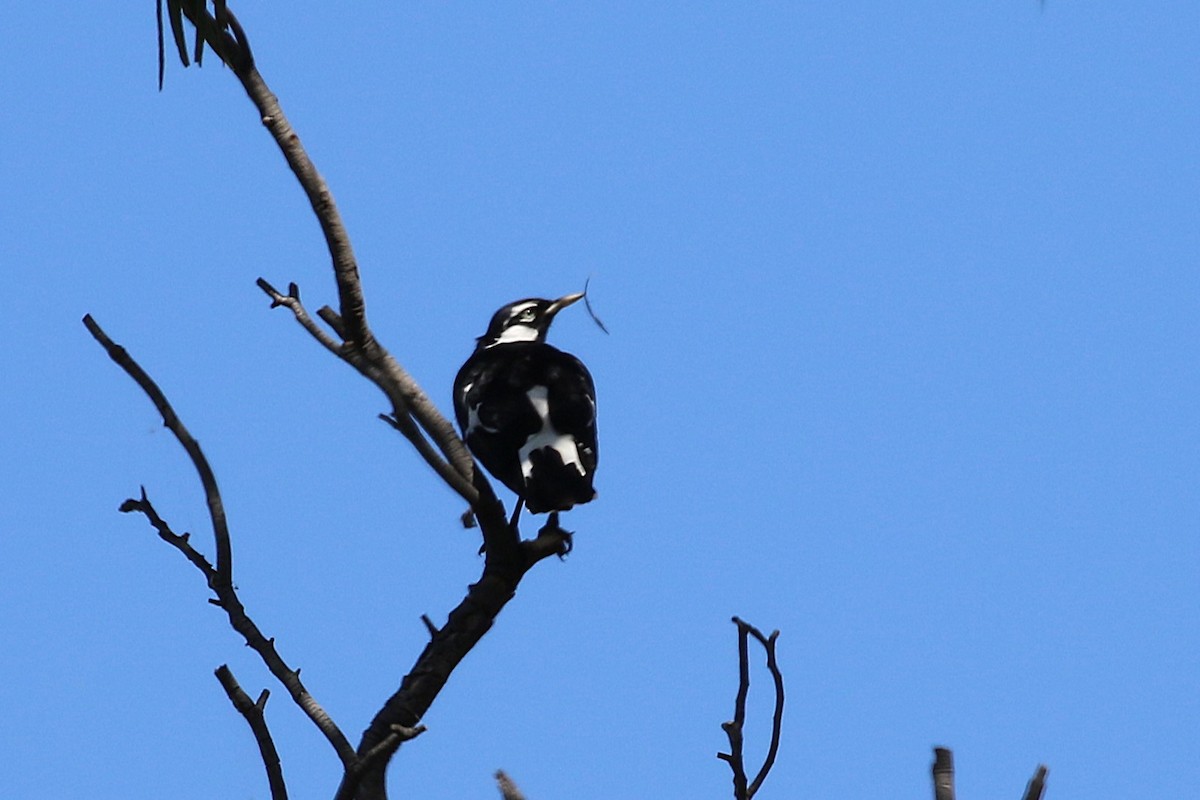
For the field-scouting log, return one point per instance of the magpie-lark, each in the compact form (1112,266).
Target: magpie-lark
(527,410)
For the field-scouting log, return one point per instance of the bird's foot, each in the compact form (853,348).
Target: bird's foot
(552,528)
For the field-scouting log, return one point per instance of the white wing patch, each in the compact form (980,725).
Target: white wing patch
(548,436)
(473,421)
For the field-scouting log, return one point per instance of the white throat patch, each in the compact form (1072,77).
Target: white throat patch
(516,333)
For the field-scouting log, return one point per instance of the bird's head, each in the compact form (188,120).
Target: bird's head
(525,320)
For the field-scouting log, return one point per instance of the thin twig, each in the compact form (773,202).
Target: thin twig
(181,542)
(400,418)
(212,496)
(291,300)
(253,712)
(220,578)
(401,421)
(943,774)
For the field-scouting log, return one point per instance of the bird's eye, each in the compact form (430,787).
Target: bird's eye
(527,315)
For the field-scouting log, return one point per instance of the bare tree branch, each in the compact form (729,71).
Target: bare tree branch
(368,760)
(291,300)
(400,419)
(744,789)
(733,729)
(508,789)
(768,643)
(943,774)
(507,559)
(413,414)
(228,40)
(253,712)
(223,575)
(1037,784)
(181,542)
(219,578)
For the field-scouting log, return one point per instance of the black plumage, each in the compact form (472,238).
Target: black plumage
(527,410)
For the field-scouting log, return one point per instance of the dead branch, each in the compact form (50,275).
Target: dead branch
(743,788)
(359,346)
(220,577)
(506,560)
(413,414)
(400,418)
(253,712)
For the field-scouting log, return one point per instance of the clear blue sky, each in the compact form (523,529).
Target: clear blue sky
(905,313)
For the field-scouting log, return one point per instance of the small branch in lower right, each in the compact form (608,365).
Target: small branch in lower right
(743,787)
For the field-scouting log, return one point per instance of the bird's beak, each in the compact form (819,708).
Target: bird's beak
(562,302)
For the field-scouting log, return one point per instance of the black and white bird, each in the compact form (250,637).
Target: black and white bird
(527,410)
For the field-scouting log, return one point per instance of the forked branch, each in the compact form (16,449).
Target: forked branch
(413,414)
(252,710)
(743,788)
(359,347)
(220,577)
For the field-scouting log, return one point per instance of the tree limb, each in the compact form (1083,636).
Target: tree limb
(228,40)
(220,577)
(253,712)
(507,559)
(413,414)
(400,419)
